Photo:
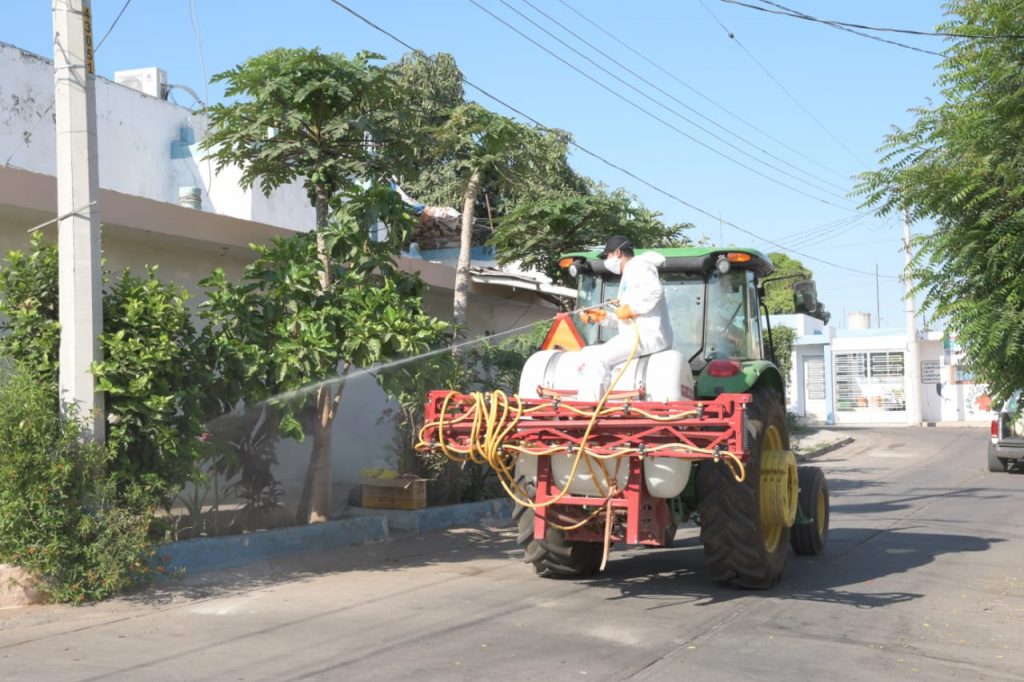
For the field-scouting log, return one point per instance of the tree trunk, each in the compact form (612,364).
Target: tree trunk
(315,502)
(320,459)
(461,307)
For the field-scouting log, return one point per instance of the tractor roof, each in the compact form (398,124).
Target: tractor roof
(690,259)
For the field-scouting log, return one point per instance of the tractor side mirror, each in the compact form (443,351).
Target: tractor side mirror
(805,297)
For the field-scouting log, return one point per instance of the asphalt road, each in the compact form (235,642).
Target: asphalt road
(923,578)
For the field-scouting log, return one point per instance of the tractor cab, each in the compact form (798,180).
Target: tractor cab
(714,301)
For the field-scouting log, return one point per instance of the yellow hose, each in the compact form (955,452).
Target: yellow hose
(494,419)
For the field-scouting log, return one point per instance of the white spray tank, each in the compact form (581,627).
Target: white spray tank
(663,376)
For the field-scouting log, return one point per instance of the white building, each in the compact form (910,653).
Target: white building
(148,158)
(857,375)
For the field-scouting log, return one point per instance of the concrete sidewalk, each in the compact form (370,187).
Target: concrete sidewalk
(815,441)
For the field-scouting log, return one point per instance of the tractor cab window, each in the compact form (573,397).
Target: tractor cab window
(591,292)
(684,295)
(733,328)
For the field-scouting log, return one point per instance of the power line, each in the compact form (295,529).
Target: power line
(665,93)
(796,14)
(110,30)
(699,93)
(835,25)
(587,151)
(28,136)
(659,118)
(732,37)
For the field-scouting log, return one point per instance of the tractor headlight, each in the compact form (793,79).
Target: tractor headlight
(723,265)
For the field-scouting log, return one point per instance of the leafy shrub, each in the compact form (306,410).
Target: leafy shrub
(155,378)
(61,518)
(28,303)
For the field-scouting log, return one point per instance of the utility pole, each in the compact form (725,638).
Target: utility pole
(878,301)
(913,365)
(78,231)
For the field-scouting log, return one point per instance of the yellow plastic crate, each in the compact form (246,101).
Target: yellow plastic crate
(395,493)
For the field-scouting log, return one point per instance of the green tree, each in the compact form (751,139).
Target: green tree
(483,145)
(278,336)
(535,232)
(779,295)
(327,121)
(961,165)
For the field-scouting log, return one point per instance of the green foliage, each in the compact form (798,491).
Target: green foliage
(782,341)
(537,231)
(779,295)
(61,517)
(155,379)
(28,309)
(961,165)
(320,108)
(501,149)
(153,372)
(277,332)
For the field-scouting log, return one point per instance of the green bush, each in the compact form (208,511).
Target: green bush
(61,518)
(156,379)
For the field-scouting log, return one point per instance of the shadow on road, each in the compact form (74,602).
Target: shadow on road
(844,574)
(447,550)
(880,504)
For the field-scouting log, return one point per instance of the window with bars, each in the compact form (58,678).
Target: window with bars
(869,381)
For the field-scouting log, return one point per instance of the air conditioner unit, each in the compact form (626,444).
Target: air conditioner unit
(150,81)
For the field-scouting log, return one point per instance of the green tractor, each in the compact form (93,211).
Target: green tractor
(698,432)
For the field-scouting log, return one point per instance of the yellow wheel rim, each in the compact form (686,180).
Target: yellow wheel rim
(779,488)
(820,518)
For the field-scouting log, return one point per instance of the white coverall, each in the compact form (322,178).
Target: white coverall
(641,290)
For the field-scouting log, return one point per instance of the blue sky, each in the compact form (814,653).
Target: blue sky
(841,95)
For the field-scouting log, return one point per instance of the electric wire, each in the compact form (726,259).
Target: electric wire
(701,94)
(796,14)
(25,137)
(666,123)
(838,26)
(595,155)
(112,25)
(733,38)
(667,94)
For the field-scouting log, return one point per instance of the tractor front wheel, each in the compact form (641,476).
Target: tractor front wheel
(745,526)
(554,557)
(811,530)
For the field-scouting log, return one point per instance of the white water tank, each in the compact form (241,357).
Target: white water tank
(858,321)
(664,376)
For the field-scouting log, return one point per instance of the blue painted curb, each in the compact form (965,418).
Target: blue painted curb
(435,518)
(232,551)
(365,525)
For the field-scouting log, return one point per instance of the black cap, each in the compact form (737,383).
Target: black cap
(615,242)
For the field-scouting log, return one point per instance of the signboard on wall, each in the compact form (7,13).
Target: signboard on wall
(931,372)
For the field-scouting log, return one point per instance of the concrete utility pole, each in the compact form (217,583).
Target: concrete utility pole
(78,237)
(911,371)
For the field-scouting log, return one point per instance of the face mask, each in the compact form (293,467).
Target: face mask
(614,265)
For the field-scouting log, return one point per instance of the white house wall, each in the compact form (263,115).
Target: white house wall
(135,134)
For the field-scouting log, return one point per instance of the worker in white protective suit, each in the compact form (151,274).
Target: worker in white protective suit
(641,302)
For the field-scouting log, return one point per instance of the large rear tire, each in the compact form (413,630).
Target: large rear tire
(811,532)
(745,544)
(554,557)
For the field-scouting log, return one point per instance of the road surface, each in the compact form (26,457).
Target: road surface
(923,578)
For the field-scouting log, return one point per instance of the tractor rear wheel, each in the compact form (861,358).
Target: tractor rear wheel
(745,526)
(811,531)
(554,557)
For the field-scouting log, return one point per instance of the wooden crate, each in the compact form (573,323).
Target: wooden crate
(395,493)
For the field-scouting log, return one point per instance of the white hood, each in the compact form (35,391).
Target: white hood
(652,257)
